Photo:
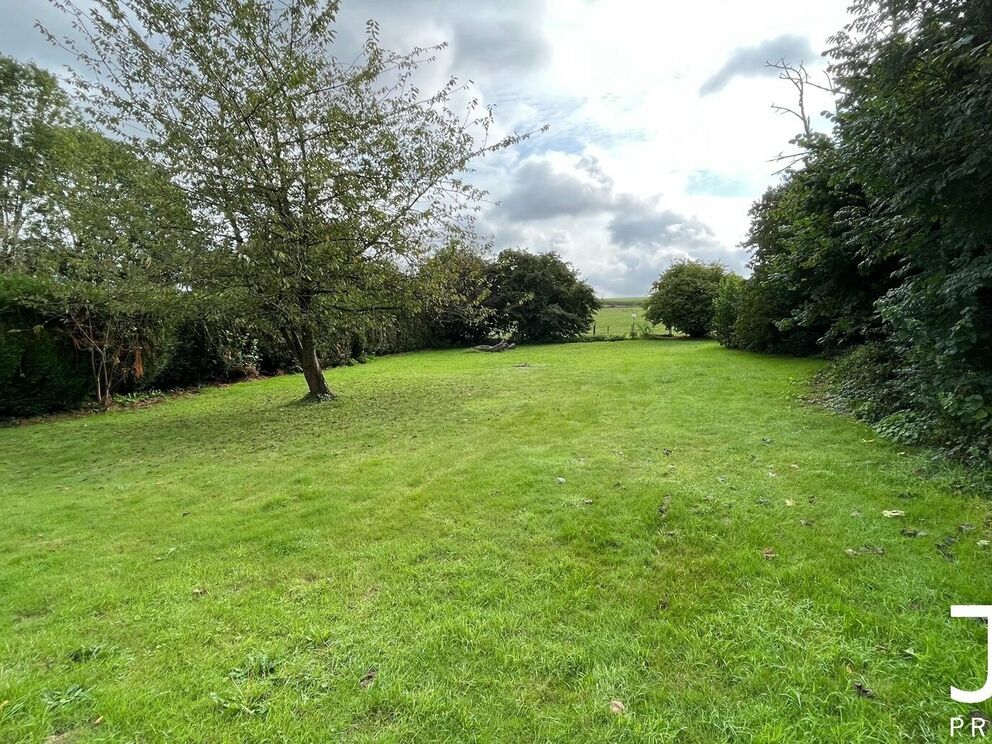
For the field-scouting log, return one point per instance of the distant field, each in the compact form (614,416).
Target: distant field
(615,316)
(624,301)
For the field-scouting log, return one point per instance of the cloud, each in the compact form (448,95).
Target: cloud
(752,61)
(20,39)
(541,192)
(642,222)
(487,41)
(503,45)
(628,93)
(620,241)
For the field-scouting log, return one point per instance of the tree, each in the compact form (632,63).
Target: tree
(32,108)
(538,297)
(682,297)
(882,240)
(89,241)
(315,177)
(457,278)
(105,253)
(813,242)
(913,126)
(726,308)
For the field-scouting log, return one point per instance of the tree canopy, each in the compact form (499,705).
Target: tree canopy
(32,108)
(538,297)
(882,239)
(682,297)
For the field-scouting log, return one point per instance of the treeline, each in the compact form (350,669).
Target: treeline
(241,199)
(113,279)
(878,249)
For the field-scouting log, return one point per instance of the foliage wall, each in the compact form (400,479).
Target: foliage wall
(879,247)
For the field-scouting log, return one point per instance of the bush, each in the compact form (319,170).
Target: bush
(457,280)
(760,326)
(599,338)
(40,371)
(682,298)
(202,351)
(882,241)
(726,308)
(539,298)
(899,399)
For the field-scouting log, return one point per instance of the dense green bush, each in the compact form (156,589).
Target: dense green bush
(682,297)
(603,337)
(388,335)
(902,401)
(201,351)
(811,240)
(458,280)
(537,297)
(913,127)
(762,323)
(727,307)
(40,371)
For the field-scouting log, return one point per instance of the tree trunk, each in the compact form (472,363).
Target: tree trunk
(101,381)
(304,348)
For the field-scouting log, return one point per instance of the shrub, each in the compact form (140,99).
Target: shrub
(457,281)
(726,308)
(599,338)
(901,400)
(884,237)
(40,373)
(203,351)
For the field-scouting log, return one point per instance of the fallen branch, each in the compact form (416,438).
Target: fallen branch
(501,346)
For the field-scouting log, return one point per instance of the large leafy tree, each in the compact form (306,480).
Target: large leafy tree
(884,236)
(90,242)
(682,297)
(813,242)
(32,108)
(538,297)
(457,277)
(318,177)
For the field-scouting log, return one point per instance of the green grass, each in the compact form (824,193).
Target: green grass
(228,567)
(614,318)
(635,302)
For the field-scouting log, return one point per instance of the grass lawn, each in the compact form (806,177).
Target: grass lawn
(404,564)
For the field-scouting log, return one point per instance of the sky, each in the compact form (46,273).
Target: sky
(661,128)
